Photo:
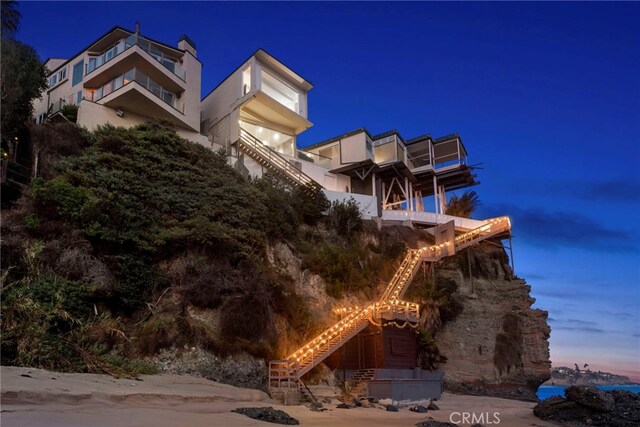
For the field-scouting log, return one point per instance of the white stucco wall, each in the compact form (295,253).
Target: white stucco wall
(368,204)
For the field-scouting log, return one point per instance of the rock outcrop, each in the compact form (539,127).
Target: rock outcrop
(498,345)
(585,405)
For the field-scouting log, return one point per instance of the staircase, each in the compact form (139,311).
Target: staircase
(284,373)
(271,160)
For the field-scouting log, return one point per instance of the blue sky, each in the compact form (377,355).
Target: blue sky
(545,95)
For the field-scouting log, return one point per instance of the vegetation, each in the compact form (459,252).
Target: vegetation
(464,205)
(127,228)
(345,218)
(22,76)
(70,112)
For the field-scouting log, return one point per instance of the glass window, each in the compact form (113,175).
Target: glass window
(155,88)
(78,97)
(280,91)
(246,81)
(76,77)
(53,80)
(276,140)
(167,97)
(63,74)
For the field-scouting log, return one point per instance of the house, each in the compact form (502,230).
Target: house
(124,78)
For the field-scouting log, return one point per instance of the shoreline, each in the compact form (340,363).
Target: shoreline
(37,397)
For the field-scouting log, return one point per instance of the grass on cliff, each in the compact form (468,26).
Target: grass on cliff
(120,217)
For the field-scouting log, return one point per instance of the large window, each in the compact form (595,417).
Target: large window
(278,141)
(78,70)
(280,91)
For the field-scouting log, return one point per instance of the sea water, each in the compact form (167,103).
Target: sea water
(555,390)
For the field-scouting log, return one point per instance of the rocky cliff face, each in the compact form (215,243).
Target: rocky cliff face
(498,345)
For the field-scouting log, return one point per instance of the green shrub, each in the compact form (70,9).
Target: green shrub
(345,218)
(70,112)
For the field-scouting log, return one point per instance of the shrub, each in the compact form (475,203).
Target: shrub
(345,218)
(70,112)
(310,203)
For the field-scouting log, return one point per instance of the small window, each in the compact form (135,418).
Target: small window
(246,81)
(53,80)
(78,97)
(63,74)
(77,73)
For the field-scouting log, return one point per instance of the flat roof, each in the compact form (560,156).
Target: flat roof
(258,54)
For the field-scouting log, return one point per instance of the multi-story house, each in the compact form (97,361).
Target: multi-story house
(125,79)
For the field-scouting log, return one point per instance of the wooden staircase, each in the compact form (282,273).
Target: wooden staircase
(285,373)
(272,161)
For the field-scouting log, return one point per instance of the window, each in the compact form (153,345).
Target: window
(78,97)
(280,91)
(62,74)
(53,80)
(76,77)
(246,81)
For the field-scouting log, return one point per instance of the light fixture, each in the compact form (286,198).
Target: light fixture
(276,136)
(260,129)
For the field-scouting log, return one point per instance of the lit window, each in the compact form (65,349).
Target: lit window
(246,81)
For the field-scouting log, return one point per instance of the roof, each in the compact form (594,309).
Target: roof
(337,138)
(388,133)
(259,53)
(116,28)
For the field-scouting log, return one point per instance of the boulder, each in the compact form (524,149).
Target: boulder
(419,409)
(433,407)
(590,397)
(433,423)
(392,408)
(268,414)
(343,406)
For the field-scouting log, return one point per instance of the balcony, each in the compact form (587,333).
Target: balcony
(263,108)
(314,158)
(137,93)
(135,51)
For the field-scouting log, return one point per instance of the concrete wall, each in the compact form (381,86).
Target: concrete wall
(368,204)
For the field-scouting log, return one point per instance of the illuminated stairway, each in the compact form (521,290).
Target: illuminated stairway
(273,161)
(286,374)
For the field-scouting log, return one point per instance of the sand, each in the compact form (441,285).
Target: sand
(35,397)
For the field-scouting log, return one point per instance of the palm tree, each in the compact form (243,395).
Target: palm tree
(10,18)
(464,205)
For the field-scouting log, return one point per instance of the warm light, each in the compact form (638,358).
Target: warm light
(276,136)
(260,130)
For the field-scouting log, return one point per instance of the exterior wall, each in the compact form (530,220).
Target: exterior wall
(91,115)
(330,181)
(191,95)
(400,349)
(364,351)
(218,106)
(368,204)
(353,149)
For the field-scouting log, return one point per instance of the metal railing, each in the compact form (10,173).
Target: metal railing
(146,45)
(276,160)
(134,75)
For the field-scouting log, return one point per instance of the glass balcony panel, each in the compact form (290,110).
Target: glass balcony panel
(155,88)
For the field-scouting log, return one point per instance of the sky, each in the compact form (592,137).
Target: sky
(545,96)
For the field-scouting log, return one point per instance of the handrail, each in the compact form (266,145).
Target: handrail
(276,159)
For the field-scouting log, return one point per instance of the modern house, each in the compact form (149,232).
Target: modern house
(126,79)
(256,114)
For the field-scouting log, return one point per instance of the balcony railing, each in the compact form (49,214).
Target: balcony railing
(134,75)
(314,158)
(135,40)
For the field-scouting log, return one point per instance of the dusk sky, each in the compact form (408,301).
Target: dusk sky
(546,97)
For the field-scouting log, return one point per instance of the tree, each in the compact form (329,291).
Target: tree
(22,79)
(10,18)
(464,205)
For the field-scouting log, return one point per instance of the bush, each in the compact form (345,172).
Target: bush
(345,218)
(70,112)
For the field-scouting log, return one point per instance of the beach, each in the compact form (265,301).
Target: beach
(35,397)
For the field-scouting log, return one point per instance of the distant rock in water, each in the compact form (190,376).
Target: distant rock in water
(563,376)
(586,405)
(268,414)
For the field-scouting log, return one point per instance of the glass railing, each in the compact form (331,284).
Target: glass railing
(314,158)
(134,75)
(135,40)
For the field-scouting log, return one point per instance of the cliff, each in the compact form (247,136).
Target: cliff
(498,345)
(563,376)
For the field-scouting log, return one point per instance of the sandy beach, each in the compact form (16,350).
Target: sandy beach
(35,397)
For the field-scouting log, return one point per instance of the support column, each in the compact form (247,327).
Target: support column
(442,197)
(435,193)
(406,189)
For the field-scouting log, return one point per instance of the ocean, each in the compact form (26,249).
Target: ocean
(555,390)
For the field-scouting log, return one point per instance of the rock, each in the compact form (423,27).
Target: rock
(268,414)
(624,396)
(419,409)
(625,412)
(326,400)
(356,402)
(392,408)
(590,397)
(433,407)
(343,406)
(385,401)
(433,423)
(317,406)
(372,399)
